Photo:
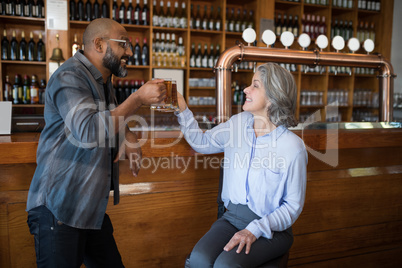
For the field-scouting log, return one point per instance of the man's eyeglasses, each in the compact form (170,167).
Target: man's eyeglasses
(124,43)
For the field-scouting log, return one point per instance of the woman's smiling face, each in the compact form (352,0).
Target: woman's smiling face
(257,101)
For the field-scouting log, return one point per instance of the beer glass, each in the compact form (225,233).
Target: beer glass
(166,105)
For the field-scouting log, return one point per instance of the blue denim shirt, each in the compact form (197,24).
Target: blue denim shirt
(267,173)
(75,167)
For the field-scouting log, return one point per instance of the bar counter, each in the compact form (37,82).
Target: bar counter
(352,215)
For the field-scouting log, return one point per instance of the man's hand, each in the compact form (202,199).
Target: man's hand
(241,238)
(133,152)
(182,102)
(151,92)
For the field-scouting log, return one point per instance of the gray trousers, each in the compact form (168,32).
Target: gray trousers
(208,252)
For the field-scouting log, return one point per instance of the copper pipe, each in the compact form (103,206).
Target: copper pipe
(259,54)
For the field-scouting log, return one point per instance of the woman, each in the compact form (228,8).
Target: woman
(264,174)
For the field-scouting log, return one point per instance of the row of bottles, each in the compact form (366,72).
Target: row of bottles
(311,98)
(140,53)
(166,18)
(364,32)
(131,15)
(316,2)
(288,23)
(205,58)
(124,88)
(22,50)
(239,22)
(340,96)
(343,3)
(365,97)
(166,52)
(238,93)
(373,5)
(24,8)
(88,11)
(208,21)
(314,25)
(342,28)
(26,91)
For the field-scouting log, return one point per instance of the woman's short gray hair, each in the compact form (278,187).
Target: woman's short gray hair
(281,90)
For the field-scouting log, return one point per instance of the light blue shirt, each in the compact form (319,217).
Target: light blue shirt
(266,173)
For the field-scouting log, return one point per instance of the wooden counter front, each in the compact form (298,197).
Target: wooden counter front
(352,215)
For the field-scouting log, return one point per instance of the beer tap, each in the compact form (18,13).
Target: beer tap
(304,41)
(322,43)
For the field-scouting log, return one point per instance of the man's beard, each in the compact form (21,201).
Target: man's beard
(113,63)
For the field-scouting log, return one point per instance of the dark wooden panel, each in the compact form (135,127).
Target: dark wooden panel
(16,177)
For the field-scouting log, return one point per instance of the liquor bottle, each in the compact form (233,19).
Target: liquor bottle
(137,53)
(366,31)
(14,48)
(155,16)
(31,48)
(35,9)
(198,57)
(88,10)
(204,59)
(169,16)
(192,55)
(251,19)
(23,47)
(3,7)
(105,10)
(167,44)
(197,21)
(8,90)
(237,26)
(307,24)
(8,7)
(17,90)
(96,14)
(162,44)
(115,11)
(29,8)
(73,10)
(204,20)
(191,22)
(161,16)
(130,16)
(211,57)
(218,20)
(231,22)
(183,16)
(289,26)
(173,46)
(296,26)
(18,10)
(372,32)
(217,53)
(80,10)
(244,21)
(41,49)
(76,46)
(34,90)
(285,23)
(278,25)
(5,47)
(323,26)
(211,20)
(41,9)
(137,13)
(42,89)
(176,16)
(145,53)
(145,14)
(122,13)
(26,95)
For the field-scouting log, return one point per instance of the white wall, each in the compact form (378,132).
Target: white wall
(396,52)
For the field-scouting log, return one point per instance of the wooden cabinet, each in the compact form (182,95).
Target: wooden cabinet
(316,90)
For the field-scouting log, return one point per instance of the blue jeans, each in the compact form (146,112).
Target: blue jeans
(59,245)
(208,252)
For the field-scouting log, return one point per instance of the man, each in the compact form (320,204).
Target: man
(79,149)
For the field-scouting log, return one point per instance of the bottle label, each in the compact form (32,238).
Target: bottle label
(176,22)
(183,22)
(211,25)
(128,15)
(192,61)
(26,10)
(121,14)
(162,21)
(136,15)
(218,25)
(18,9)
(34,92)
(204,62)
(144,16)
(155,20)
(211,62)
(198,62)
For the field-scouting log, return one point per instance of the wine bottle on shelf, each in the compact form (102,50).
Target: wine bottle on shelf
(105,10)
(289,26)
(169,17)
(42,89)
(198,57)
(173,46)
(115,11)
(176,16)
(80,10)
(197,22)
(296,26)
(8,90)
(137,53)
(26,89)
(130,19)
(251,19)
(161,15)
(18,10)
(218,20)
(285,23)
(3,7)
(278,24)
(183,16)
(76,46)
(191,22)
(244,22)
(237,26)
(17,90)
(162,45)
(34,90)
(88,10)
(122,13)
(145,53)
(155,16)
(35,9)
(192,55)
(23,47)
(29,8)
(137,13)
(5,47)
(204,59)
(41,9)
(167,43)
(211,57)
(41,49)
(145,14)
(73,10)
(31,48)
(211,20)
(204,20)
(14,48)
(96,14)
(217,53)
(231,23)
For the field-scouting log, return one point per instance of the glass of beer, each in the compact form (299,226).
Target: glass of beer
(166,104)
